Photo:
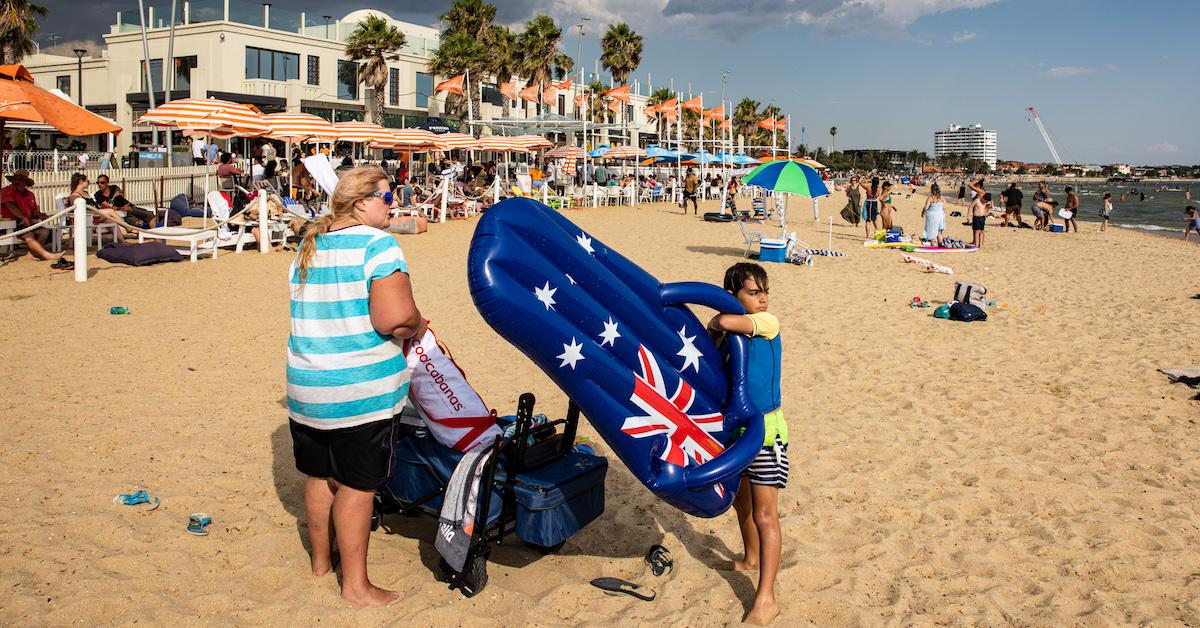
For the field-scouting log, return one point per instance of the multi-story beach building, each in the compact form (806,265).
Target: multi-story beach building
(277,60)
(974,140)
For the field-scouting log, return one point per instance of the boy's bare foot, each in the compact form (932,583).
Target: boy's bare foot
(372,596)
(763,612)
(745,565)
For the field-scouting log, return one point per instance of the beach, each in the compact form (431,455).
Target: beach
(1033,469)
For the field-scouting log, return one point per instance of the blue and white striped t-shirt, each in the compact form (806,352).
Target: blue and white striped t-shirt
(340,371)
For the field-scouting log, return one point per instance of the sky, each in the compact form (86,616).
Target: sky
(1112,81)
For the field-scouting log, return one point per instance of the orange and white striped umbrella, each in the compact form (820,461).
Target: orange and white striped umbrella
(455,141)
(299,127)
(219,118)
(361,132)
(534,142)
(407,139)
(502,144)
(565,152)
(625,152)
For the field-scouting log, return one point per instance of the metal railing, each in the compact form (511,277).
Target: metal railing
(147,187)
(54,160)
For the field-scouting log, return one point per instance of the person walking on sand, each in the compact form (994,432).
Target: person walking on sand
(1193,223)
(757,500)
(870,207)
(352,310)
(690,185)
(962,192)
(1070,209)
(853,210)
(1106,211)
(885,206)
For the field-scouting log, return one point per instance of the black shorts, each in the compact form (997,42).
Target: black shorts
(1013,208)
(359,457)
(978,222)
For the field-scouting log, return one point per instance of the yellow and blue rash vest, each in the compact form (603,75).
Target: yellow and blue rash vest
(765,371)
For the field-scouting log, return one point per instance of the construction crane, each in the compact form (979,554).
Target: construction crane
(1045,136)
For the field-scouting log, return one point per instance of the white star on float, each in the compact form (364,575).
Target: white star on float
(609,335)
(546,295)
(571,354)
(691,355)
(585,242)
(570,279)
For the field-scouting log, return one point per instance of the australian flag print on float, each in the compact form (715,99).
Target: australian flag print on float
(625,348)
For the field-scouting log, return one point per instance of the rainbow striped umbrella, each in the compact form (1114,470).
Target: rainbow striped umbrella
(788,176)
(625,152)
(565,152)
(218,118)
(534,142)
(361,132)
(300,127)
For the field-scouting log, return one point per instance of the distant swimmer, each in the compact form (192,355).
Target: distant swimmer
(1141,196)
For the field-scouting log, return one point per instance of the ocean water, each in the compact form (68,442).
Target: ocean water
(1162,211)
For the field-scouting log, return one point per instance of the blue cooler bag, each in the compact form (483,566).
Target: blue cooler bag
(558,499)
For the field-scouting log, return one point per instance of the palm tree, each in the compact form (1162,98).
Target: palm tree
(620,51)
(762,137)
(374,43)
(456,54)
(597,110)
(833,138)
(469,24)
(745,118)
(538,44)
(502,48)
(18,25)
(660,95)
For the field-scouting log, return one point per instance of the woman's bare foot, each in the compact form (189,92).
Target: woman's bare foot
(323,567)
(763,612)
(745,565)
(372,596)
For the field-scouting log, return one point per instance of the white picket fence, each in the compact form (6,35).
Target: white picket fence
(142,186)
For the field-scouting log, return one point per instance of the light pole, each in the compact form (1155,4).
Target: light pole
(583,100)
(327,18)
(79,52)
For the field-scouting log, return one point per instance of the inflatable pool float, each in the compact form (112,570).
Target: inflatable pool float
(718,217)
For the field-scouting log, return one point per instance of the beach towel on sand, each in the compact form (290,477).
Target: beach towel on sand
(1189,376)
(456,522)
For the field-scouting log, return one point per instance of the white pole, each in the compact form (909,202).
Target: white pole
(81,238)
(678,148)
(264,236)
(445,195)
(703,186)
(169,76)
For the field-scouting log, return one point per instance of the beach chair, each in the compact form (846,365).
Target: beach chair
(752,238)
(7,243)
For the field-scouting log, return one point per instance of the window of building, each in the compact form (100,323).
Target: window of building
(346,115)
(320,112)
(562,104)
(314,70)
(394,87)
(491,94)
(393,121)
(183,72)
(424,89)
(63,83)
(272,65)
(347,81)
(155,74)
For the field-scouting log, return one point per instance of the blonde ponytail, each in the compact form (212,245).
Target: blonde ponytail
(355,185)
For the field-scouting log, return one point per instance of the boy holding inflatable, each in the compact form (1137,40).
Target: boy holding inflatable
(757,501)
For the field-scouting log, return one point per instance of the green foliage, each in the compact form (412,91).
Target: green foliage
(18,25)
(373,43)
(621,51)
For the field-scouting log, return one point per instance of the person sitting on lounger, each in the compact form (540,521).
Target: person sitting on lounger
(111,197)
(79,189)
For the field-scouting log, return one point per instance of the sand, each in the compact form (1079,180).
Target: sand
(1033,469)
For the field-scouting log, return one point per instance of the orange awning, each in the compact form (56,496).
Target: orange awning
(22,99)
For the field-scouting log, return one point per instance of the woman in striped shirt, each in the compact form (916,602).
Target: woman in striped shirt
(352,311)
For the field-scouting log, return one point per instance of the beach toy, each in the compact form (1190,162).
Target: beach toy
(942,311)
(659,559)
(583,445)
(991,304)
(625,348)
(118,309)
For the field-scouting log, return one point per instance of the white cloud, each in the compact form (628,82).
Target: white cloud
(1063,71)
(963,37)
(1162,147)
(735,18)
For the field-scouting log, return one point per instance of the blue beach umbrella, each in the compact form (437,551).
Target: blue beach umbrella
(599,151)
(742,159)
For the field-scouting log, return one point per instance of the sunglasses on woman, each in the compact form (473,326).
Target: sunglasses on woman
(386,196)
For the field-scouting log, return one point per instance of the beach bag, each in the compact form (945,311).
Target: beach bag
(454,413)
(972,293)
(942,311)
(966,313)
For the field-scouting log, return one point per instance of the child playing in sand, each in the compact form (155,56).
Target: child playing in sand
(757,501)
